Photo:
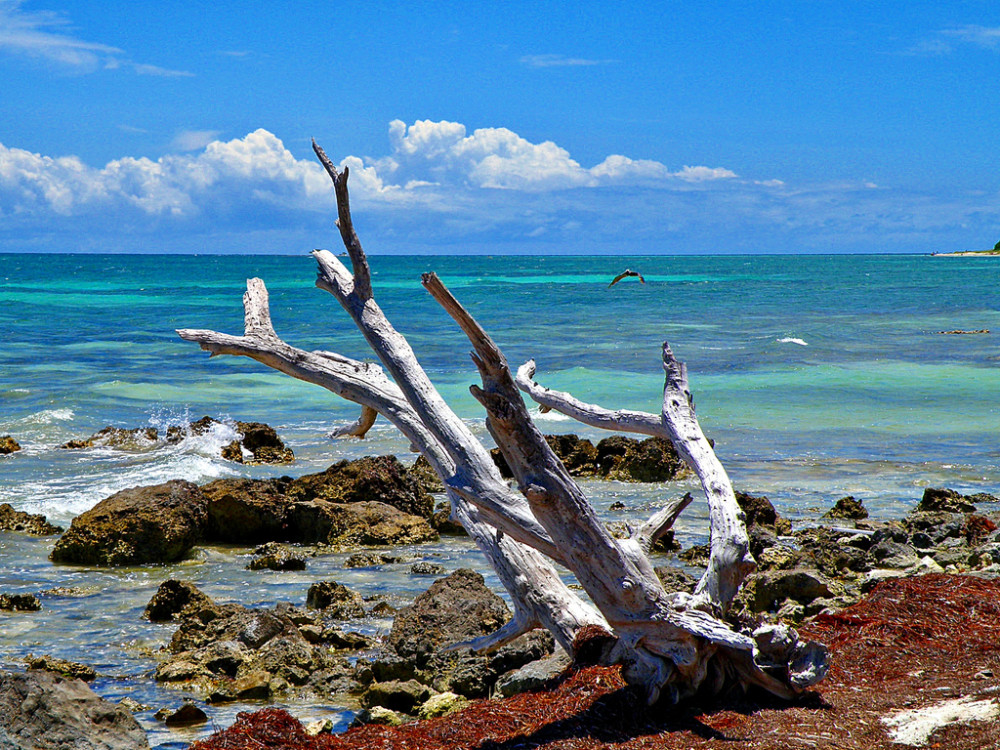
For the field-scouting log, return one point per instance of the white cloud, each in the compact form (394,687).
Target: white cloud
(193,140)
(560,61)
(46,35)
(981,36)
(704,174)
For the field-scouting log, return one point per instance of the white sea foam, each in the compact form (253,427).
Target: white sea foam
(790,340)
(550,416)
(48,416)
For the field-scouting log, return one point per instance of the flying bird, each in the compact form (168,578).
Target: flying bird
(623,274)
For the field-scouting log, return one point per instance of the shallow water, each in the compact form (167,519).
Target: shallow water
(817,377)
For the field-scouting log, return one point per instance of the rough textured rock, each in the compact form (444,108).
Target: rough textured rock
(247,511)
(370,560)
(768,589)
(944,500)
(401,696)
(428,479)
(616,457)
(231,652)
(441,521)
(121,438)
(26,523)
(847,508)
(441,704)
(336,600)
(425,568)
(760,512)
(19,603)
(141,525)
(275,556)
(676,579)
(379,478)
(534,675)
(71,669)
(173,598)
(8,445)
(452,610)
(358,523)
(262,444)
(43,711)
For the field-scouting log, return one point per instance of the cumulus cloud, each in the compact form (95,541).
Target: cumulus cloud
(193,140)
(45,35)
(441,188)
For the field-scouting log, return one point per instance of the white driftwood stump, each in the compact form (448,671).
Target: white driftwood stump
(669,644)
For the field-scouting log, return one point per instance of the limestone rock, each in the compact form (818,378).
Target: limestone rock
(8,445)
(847,508)
(358,523)
(174,597)
(534,675)
(947,500)
(26,523)
(336,600)
(120,438)
(43,711)
(379,478)
(142,525)
(275,556)
(441,704)
(70,669)
(261,442)
(19,603)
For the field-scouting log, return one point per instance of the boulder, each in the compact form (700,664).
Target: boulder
(848,509)
(454,609)
(403,697)
(534,675)
(120,438)
(336,600)
(770,588)
(258,444)
(247,511)
(370,560)
(141,525)
(650,460)
(441,704)
(379,478)
(43,711)
(26,523)
(425,568)
(367,523)
(275,556)
(944,500)
(425,476)
(19,603)
(71,669)
(173,598)
(8,445)
(760,511)
(442,523)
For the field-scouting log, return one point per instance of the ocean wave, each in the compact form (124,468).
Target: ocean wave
(790,340)
(47,416)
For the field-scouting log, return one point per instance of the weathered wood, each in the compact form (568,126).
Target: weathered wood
(667,643)
(358,428)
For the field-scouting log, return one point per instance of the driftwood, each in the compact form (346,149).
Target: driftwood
(669,644)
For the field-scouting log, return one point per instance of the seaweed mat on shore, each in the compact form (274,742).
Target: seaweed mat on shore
(912,643)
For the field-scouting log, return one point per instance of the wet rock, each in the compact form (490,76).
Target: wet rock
(370,560)
(346,641)
(174,597)
(760,511)
(336,600)
(403,697)
(946,500)
(650,460)
(534,675)
(247,511)
(761,538)
(982,497)
(358,523)
(43,711)
(379,478)
(26,523)
(443,524)
(142,525)
(425,476)
(382,609)
(696,554)
(780,557)
(70,669)
(8,445)
(19,603)
(616,457)
(617,505)
(258,444)
(427,569)
(132,706)
(187,715)
(847,508)
(831,552)
(274,556)
(120,438)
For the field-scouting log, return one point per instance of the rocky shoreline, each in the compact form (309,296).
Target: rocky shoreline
(224,652)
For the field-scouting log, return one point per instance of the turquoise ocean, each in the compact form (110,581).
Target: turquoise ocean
(816,376)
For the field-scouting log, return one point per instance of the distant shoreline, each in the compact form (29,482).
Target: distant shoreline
(965,253)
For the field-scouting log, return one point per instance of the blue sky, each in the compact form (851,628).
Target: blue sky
(542,127)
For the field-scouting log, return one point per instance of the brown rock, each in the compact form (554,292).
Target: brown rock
(8,445)
(121,438)
(847,508)
(374,478)
(27,523)
(141,525)
(173,598)
(946,500)
(71,669)
(360,523)
(336,600)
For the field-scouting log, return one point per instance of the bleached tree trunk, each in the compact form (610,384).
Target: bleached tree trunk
(664,641)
